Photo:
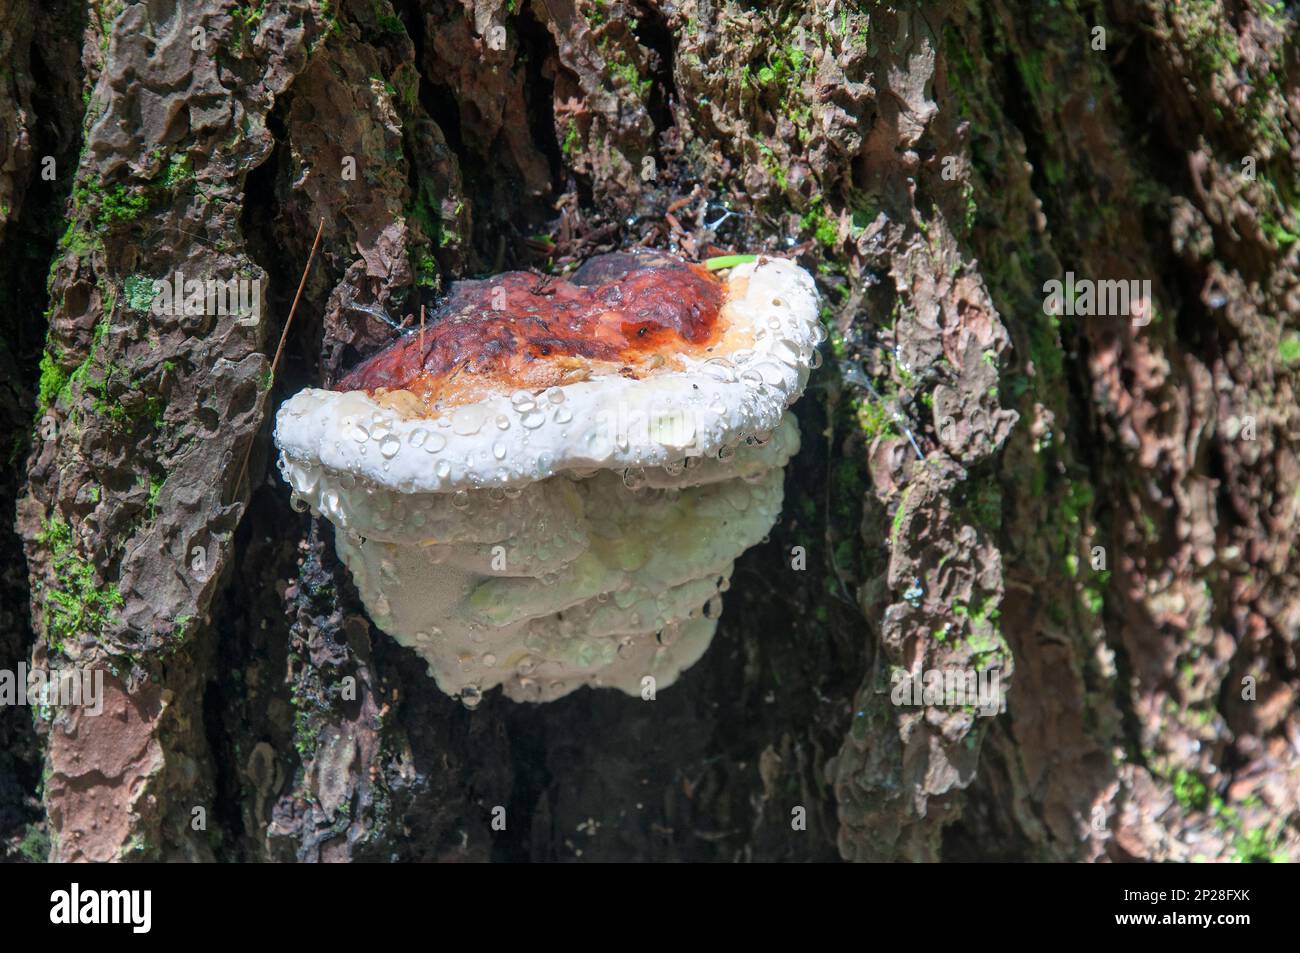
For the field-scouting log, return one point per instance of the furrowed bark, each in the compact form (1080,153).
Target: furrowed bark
(1100,510)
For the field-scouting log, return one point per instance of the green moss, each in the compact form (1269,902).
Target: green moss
(1190,791)
(571,139)
(137,291)
(74,239)
(596,15)
(246,18)
(181,628)
(35,845)
(1030,67)
(178,170)
(1288,349)
(986,649)
(53,382)
(1207,36)
(627,74)
(1076,504)
(618,61)
(824,229)
(406,79)
(426,270)
(111,206)
(423,209)
(899,513)
(1277,233)
(1248,846)
(984,614)
(782,75)
(105,13)
(331,19)
(76,605)
(304,735)
(56,383)
(773,167)
(155,490)
(874,418)
(1257,847)
(784,68)
(1093,600)
(80,377)
(424,214)
(119,205)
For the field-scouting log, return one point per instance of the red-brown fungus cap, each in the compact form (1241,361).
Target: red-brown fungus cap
(631,311)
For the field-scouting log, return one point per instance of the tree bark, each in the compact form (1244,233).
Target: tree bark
(1103,509)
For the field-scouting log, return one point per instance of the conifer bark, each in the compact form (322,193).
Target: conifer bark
(1106,512)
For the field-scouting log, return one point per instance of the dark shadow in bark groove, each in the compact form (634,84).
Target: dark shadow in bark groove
(243,704)
(224,817)
(436,100)
(31,241)
(532,780)
(500,228)
(536,43)
(652,32)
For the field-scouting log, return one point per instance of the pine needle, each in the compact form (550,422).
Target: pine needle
(279,350)
(728,261)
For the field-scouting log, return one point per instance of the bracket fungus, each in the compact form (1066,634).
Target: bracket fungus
(549,486)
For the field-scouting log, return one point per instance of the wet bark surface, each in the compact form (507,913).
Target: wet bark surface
(1103,510)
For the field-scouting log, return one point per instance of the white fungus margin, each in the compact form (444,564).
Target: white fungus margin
(580,535)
